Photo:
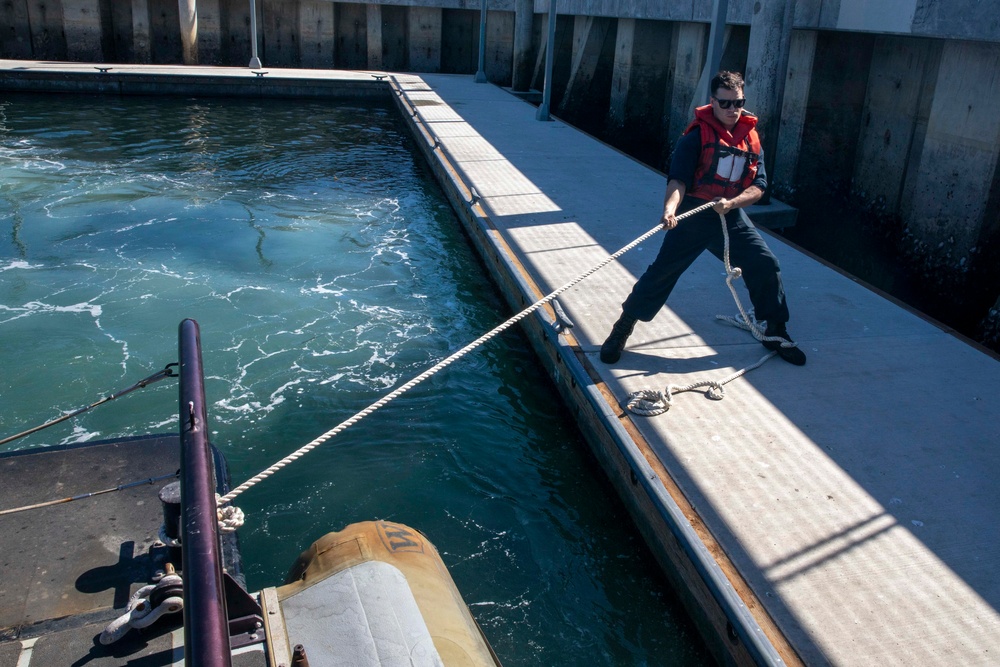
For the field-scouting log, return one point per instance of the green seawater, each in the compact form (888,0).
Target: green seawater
(325,269)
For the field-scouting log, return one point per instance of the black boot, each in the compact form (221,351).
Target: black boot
(611,351)
(792,355)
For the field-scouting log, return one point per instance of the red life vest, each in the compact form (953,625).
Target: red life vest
(729,159)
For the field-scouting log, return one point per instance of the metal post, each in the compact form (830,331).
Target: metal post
(543,108)
(254,60)
(189,30)
(206,628)
(481,74)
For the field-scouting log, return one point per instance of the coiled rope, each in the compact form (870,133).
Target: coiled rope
(231,518)
(649,403)
(305,449)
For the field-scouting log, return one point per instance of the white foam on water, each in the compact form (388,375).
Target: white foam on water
(121,343)
(154,427)
(80,434)
(302,329)
(37,307)
(324,288)
(245,288)
(134,226)
(278,395)
(20,264)
(234,405)
(165,271)
(41,164)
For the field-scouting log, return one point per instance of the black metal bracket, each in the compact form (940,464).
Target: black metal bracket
(245,631)
(239,603)
(246,618)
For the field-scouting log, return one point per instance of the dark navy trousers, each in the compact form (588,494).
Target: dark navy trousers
(692,236)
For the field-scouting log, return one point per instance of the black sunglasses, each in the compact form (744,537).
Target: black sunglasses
(725,104)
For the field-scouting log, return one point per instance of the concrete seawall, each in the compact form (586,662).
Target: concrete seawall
(888,105)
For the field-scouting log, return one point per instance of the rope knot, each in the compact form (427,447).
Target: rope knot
(231,517)
(716,392)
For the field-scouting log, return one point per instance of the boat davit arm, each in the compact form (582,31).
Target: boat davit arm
(218,613)
(206,627)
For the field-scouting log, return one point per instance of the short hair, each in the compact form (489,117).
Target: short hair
(727,80)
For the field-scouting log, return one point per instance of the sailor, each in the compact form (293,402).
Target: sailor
(718,159)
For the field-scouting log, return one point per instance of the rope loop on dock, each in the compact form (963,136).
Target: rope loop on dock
(305,449)
(649,403)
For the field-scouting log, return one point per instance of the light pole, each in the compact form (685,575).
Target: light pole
(254,60)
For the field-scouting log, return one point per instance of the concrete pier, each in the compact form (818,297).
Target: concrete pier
(622,72)
(767,64)
(688,63)
(425,45)
(522,47)
(967,176)
(316,33)
(847,507)
(784,163)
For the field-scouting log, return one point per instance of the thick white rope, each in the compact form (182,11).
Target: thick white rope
(231,517)
(744,321)
(649,403)
(305,449)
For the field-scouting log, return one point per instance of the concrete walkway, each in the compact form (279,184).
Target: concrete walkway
(858,495)
(849,505)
